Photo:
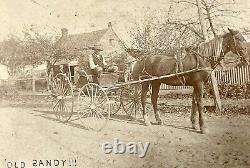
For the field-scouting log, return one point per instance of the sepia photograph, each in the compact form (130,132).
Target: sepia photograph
(124,83)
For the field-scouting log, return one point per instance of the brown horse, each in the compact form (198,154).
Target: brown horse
(159,65)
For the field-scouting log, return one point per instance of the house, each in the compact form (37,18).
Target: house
(4,74)
(77,44)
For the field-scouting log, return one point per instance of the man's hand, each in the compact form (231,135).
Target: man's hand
(99,69)
(105,67)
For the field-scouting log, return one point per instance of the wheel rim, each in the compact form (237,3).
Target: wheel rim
(93,106)
(63,99)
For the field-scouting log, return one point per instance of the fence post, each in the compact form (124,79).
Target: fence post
(33,81)
(217,100)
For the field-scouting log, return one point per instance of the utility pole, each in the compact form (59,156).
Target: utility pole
(217,100)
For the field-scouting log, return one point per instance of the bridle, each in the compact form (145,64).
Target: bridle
(214,63)
(242,58)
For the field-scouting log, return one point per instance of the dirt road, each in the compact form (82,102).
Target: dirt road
(29,134)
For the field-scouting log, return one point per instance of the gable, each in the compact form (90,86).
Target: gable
(111,42)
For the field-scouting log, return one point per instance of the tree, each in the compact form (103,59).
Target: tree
(11,53)
(42,47)
(156,36)
(217,14)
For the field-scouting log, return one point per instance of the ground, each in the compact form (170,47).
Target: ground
(30,132)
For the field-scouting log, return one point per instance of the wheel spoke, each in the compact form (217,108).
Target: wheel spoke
(66,90)
(97,114)
(68,108)
(99,95)
(101,113)
(65,112)
(132,105)
(88,111)
(56,104)
(59,111)
(95,93)
(128,102)
(87,91)
(83,93)
(127,98)
(102,103)
(92,96)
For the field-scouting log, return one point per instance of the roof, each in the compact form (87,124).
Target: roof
(81,41)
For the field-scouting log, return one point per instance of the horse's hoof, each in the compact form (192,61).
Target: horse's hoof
(194,126)
(159,122)
(204,130)
(147,122)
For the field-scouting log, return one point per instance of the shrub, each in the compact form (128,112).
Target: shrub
(8,88)
(234,91)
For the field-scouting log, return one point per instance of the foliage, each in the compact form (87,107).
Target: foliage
(11,53)
(175,30)
(7,88)
(234,91)
(119,60)
(40,47)
(36,47)
(155,36)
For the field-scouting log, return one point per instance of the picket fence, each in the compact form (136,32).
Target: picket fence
(235,75)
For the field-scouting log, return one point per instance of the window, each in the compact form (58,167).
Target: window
(111,42)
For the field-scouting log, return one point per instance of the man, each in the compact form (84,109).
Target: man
(96,62)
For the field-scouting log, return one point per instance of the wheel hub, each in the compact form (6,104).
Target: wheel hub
(92,107)
(59,97)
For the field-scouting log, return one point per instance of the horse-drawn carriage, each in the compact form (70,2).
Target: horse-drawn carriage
(94,103)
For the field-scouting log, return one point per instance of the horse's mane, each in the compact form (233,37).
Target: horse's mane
(140,54)
(211,48)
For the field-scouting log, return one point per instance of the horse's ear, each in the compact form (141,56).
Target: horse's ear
(230,30)
(188,49)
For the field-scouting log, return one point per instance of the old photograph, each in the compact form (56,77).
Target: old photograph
(124,83)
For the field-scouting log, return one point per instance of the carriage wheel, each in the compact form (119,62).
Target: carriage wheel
(63,99)
(93,106)
(115,103)
(130,100)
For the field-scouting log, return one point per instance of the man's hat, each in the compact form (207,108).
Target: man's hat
(96,47)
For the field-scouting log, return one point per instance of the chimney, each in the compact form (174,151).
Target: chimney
(109,25)
(64,32)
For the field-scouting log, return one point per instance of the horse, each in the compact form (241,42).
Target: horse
(200,57)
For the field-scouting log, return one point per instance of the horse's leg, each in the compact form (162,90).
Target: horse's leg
(194,110)
(144,91)
(154,97)
(199,99)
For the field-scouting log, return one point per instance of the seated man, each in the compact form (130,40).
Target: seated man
(96,63)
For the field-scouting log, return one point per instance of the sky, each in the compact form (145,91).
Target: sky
(80,16)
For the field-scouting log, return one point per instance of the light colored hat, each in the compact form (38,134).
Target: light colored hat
(96,47)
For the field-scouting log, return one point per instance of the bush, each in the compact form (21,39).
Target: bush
(8,89)
(234,91)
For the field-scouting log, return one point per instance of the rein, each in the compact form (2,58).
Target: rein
(209,59)
(242,58)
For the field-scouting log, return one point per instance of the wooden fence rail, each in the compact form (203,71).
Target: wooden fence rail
(238,75)
(234,75)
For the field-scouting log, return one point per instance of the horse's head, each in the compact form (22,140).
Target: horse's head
(236,43)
